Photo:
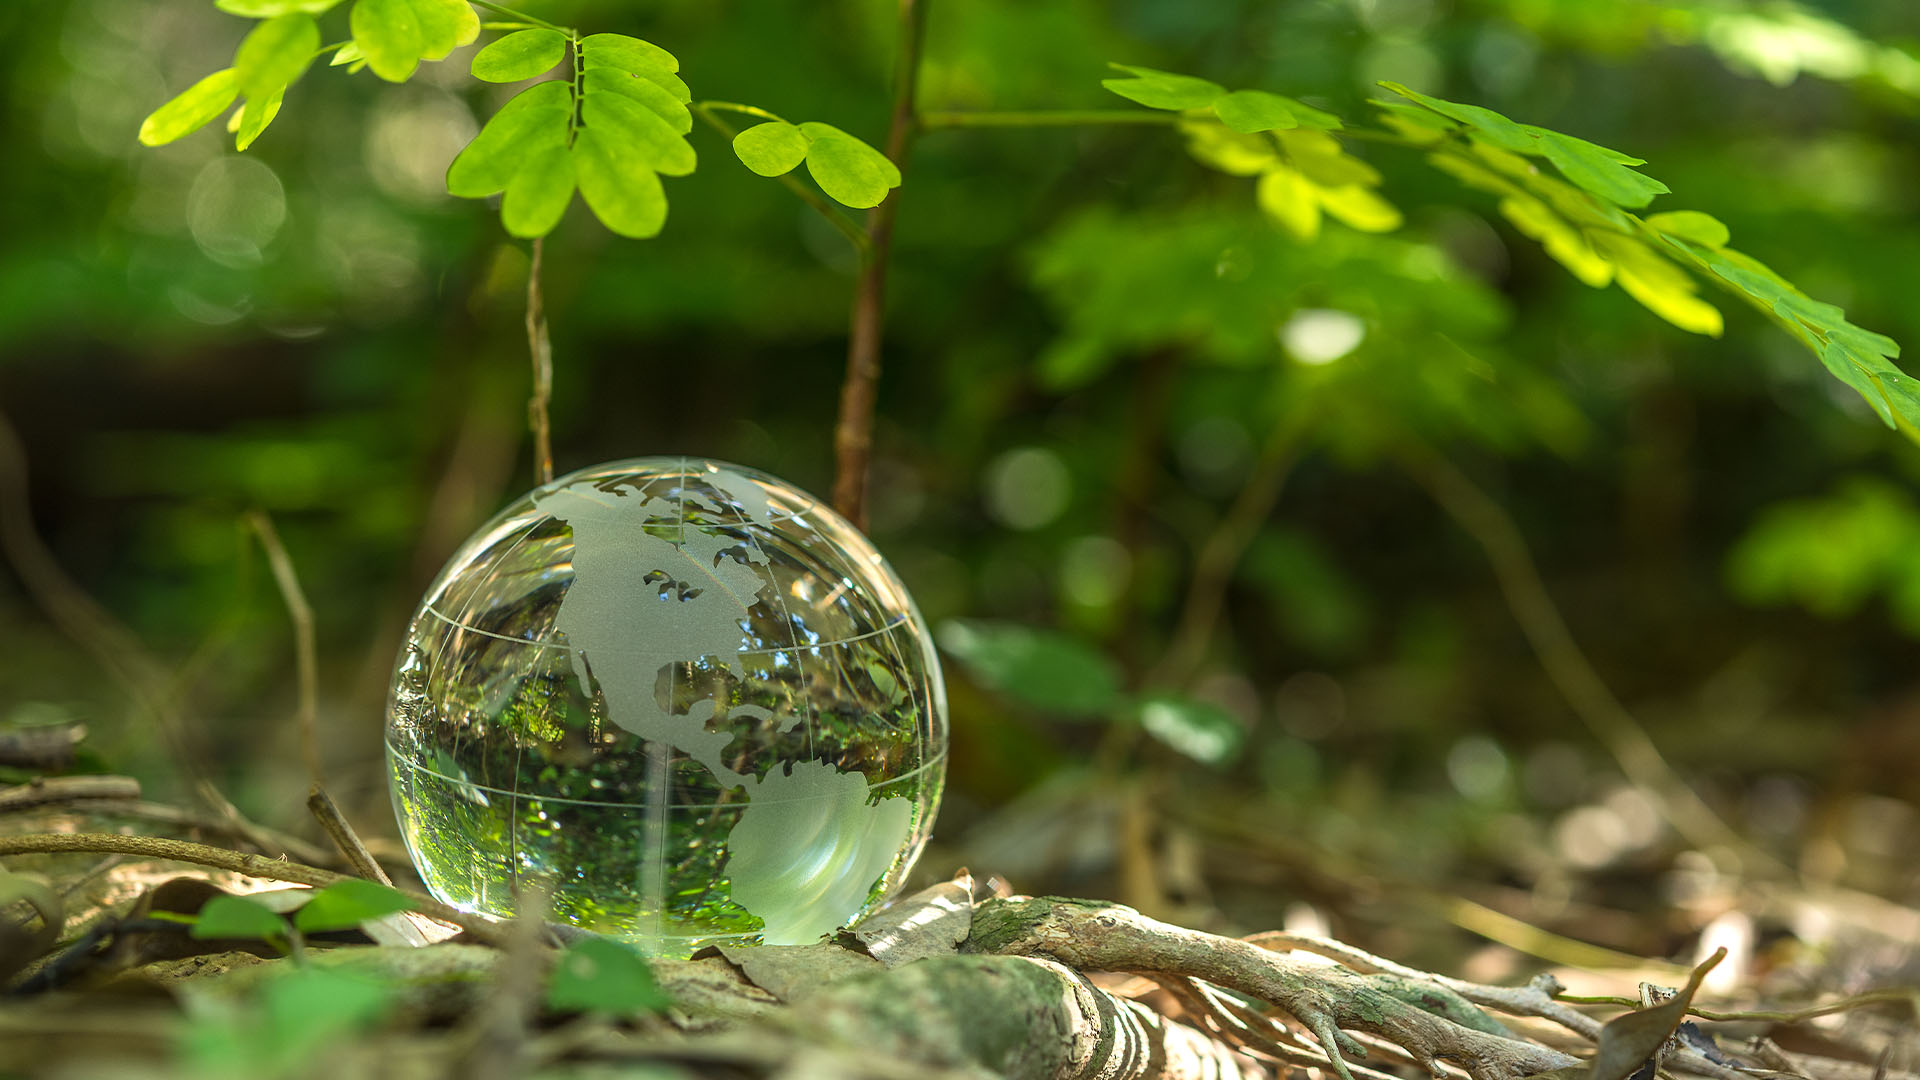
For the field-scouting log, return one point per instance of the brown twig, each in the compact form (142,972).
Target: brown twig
(853,433)
(153,847)
(341,833)
(540,348)
(306,658)
(267,841)
(43,790)
(46,746)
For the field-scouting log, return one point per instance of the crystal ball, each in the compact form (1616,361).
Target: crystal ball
(686,701)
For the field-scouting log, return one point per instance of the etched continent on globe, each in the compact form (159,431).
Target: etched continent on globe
(694,704)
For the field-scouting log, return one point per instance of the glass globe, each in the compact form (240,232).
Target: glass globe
(684,699)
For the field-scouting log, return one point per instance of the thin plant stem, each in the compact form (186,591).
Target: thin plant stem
(853,431)
(305,652)
(1034,118)
(540,348)
(847,227)
(260,866)
(520,16)
(736,107)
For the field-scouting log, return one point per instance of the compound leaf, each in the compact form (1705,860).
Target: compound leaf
(520,55)
(1248,111)
(1490,125)
(846,168)
(192,110)
(619,188)
(774,148)
(276,53)
(535,118)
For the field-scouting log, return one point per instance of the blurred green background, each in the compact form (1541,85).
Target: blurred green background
(1090,341)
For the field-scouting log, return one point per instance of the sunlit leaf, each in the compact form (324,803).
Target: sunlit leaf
(347,54)
(538,194)
(395,35)
(1163,89)
(254,118)
(520,55)
(1290,199)
(237,917)
(846,168)
(771,149)
(653,141)
(275,53)
(645,91)
(536,118)
(626,53)
(1360,208)
(346,904)
(1202,731)
(192,110)
(599,974)
(267,9)
(621,191)
(1042,668)
(1599,170)
(1320,157)
(1248,111)
(1692,225)
(1215,146)
(1489,125)
(1563,243)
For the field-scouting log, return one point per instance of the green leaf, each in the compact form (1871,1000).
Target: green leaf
(534,119)
(1322,159)
(1248,111)
(395,35)
(192,110)
(1042,668)
(254,119)
(538,195)
(599,974)
(846,168)
(1217,147)
(1599,170)
(1359,208)
(774,148)
(346,904)
(237,917)
(619,188)
(1289,198)
(348,54)
(520,55)
(1202,731)
(276,53)
(267,9)
(629,54)
(1163,89)
(653,141)
(646,92)
(1489,125)
(626,54)
(1692,225)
